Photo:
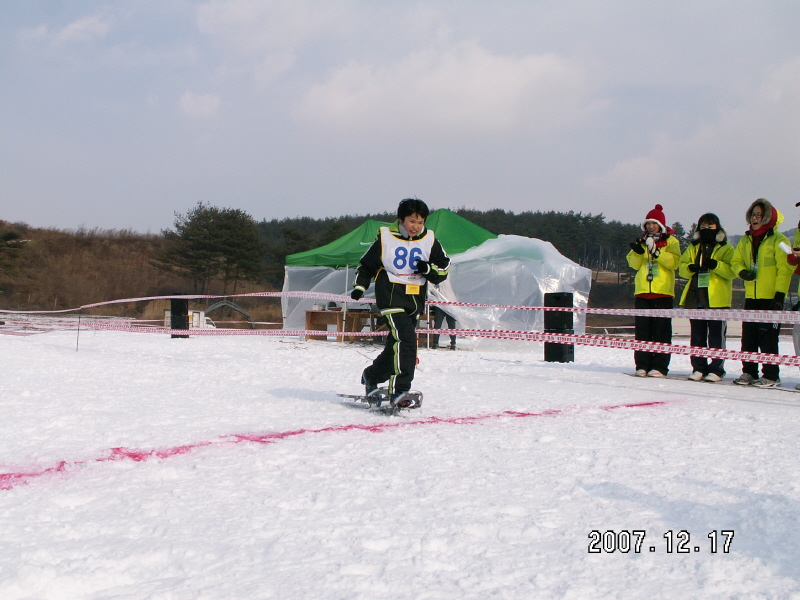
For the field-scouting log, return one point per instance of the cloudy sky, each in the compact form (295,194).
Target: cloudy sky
(118,114)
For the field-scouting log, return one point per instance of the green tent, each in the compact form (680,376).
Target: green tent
(455,233)
(347,250)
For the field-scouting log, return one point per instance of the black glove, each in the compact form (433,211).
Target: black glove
(423,267)
(356,294)
(692,267)
(747,275)
(711,263)
(636,246)
(777,301)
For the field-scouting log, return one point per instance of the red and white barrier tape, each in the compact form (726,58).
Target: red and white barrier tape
(708,314)
(556,338)
(570,339)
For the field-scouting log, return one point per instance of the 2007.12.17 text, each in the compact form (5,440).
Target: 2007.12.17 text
(626,541)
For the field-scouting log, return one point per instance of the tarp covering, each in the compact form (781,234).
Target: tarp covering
(511,270)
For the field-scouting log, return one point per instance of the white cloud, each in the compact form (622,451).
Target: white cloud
(81,30)
(750,150)
(84,29)
(462,88)
(199,105)
(260,36)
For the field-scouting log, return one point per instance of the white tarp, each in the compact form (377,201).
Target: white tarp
(510,270)
(316,279)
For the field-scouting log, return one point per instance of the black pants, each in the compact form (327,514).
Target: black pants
(653,329)
(398,360)
(760,337)
(708,334)
(439,317)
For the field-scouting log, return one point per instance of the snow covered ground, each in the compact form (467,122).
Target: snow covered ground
(226,468)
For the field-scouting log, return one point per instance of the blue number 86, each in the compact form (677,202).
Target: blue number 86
(401,254)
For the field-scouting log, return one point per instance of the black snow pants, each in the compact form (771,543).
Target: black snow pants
(398,360)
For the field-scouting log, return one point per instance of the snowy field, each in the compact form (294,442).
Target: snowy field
(142,467)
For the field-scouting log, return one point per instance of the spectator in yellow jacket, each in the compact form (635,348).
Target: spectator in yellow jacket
(706,263)
(794,260)
(655,256)
(764,266)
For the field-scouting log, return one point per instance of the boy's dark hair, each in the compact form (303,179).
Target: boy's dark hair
(410,206)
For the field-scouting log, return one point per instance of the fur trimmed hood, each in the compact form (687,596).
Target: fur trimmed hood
(772,216)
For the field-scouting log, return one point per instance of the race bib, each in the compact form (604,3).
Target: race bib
(400,257)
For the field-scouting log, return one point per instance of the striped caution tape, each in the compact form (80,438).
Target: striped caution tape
(572,339)
(531,336)
(709,314)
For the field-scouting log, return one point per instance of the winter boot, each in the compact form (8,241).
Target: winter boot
(369,386)
(403,400)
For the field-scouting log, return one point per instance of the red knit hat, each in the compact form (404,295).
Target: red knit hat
(656,216)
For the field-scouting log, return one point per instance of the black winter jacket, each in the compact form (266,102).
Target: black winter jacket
(393,295)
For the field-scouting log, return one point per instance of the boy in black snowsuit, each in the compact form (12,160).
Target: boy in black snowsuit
(404,258)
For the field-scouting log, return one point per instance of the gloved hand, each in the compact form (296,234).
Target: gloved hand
(650,242)
(423,267)
(777,301)
(747,275)
(692,267)
(356,294)
(636,246)
(711,263)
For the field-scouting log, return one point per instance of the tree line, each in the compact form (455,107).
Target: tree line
(589,240)
(219,250)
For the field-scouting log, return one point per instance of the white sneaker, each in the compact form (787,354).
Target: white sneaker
(713,378)
(655,373)
(696,376)
(641,373)
(766,383)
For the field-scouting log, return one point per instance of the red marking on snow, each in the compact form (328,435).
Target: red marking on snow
(143,455)
(10,480)
(13,479)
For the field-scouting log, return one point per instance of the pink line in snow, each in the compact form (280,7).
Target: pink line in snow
(13,479)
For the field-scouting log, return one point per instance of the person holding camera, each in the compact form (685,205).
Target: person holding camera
(794,260)
(706,263)
(655,256)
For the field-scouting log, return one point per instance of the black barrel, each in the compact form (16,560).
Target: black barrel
(179,315)
(558,322)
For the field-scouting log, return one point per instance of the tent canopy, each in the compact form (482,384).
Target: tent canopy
(347,250)
(455,233)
